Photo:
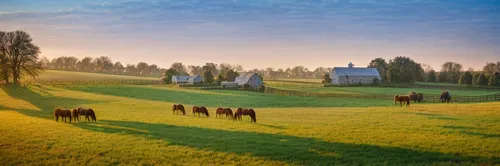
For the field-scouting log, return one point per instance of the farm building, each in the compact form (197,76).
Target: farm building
(187,79)
(226,84)
(353,75)
(251,79)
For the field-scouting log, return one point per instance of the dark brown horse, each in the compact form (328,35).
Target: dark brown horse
(63,113)
(420,97)
(76,115)
(240,111)
(401,99)
(200,110)
(219,112)
(445,97)
(178,108)
(88,112)
(413,96)
(228,112)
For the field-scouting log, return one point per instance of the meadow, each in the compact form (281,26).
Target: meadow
(58,75)
(136,127)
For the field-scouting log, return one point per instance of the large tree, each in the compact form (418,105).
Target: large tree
(86,64)
(179,67)
(118,68)
(142,68)
(381,65)
(211,67)
(195,70)
(494,80)
(452,70)
(131,69)
(431,76)
(404,70)
(168,75)
(466,78)
(21,55)
(102,63)
(482,80)
(491,68)
(4,61)
(231,75)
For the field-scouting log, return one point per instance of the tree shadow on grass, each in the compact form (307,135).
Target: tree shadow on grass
(47,102)
(435,116)
(290,149)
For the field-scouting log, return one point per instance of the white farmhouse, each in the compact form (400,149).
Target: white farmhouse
(353,75)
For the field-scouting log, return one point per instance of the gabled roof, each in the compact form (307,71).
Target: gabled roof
(185,78)
(191,78)
(243,78)
(354,71)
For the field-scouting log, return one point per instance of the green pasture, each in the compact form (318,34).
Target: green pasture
(57,75)
(136,127)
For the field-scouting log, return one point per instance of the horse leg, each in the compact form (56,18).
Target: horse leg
(57,118)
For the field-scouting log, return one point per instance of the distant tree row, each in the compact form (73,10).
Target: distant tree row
(18,56)
(405,70)
(101,64)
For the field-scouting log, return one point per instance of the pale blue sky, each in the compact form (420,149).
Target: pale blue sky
(262,33)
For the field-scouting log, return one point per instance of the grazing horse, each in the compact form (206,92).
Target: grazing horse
(63,113)
(445,97)
(420,97)
(178,107)
(88,112)
(401,99)
(413,96)
(228,112)
(76,115)
(200,110)
(219,112)
(240,111)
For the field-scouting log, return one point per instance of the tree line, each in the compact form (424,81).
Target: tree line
(18,56)
(405,70)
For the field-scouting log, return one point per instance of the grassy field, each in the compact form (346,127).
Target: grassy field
(57,75)
(309,87)
(136,127)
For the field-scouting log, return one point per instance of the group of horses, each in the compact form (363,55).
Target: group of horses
(75,114)
(413,96)
(219,113)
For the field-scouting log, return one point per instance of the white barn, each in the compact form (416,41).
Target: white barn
(187,79)
(353,75)
(251,79)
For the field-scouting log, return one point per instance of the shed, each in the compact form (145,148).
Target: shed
(250,79)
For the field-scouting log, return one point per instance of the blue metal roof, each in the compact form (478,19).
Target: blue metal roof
(343,71)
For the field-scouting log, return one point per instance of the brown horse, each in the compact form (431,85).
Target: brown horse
(88,112)
(445,97)
(76,115)
(63,113)
(200,110)
(413,96)
(401,99)
(228,112)
(420,97)
(240,111)
(178,108)
(219,112)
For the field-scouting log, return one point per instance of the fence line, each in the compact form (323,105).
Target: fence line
(427,98)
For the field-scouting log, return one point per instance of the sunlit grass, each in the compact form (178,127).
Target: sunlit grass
(57,75)
(134,129)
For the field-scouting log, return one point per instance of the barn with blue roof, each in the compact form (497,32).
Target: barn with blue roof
(353,75)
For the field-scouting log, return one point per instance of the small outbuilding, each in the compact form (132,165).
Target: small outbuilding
(249,79)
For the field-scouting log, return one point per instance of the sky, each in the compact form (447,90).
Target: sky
(262,33)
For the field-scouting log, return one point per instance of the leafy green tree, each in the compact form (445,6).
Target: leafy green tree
(327,79)
(404,70)
(20,55)
(168,75)
(442,77)
(482,80)
(220,78)
(465,78)
(494,80)
(431,76)
(475,78)
(208,77)
(380,64)
(231,75)
(452,70)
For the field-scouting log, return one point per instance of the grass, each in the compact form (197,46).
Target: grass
(134,129)
(57,75)
(308,87)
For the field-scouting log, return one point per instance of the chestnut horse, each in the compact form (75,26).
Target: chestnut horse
(401,99)
(228,112)
(178,107)
(201,110)
(88,112)
(445,97)
(240,111)
(76,115)
(219,112)
(63,113)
